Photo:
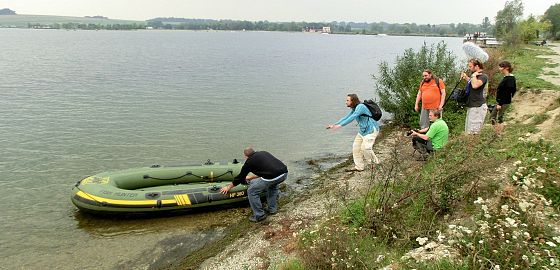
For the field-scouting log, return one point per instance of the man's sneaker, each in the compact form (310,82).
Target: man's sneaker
(270,212)
(253,218)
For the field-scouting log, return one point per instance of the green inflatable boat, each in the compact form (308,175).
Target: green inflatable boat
(158,188)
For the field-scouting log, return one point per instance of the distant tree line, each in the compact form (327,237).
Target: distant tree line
(87,26)
(7,11)
(336,27)
(513,29)
(97,17)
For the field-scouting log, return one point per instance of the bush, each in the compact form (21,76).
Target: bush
(398,86)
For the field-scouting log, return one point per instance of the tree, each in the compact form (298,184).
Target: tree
(531,28)
(507,20)
(7,11)
(486,25)
(398,86)
(552,14)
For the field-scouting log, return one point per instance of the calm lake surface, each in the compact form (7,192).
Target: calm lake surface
(76,103)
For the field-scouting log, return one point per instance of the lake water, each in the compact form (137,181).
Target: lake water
(76,103)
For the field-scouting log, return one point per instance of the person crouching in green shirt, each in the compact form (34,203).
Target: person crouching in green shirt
(435,137)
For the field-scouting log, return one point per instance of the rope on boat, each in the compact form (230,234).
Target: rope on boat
(187,174)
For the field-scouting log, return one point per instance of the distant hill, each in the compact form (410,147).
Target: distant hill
(24,20)
(7,11)
(180,20)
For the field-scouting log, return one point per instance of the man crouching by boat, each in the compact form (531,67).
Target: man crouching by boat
(268,172)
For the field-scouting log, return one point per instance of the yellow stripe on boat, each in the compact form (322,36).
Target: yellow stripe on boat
(182,199)
(121,202)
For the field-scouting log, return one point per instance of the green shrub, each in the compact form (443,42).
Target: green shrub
(398,86)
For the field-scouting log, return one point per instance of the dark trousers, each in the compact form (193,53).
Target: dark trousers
(423,146)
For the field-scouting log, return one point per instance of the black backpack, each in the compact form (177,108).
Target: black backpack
(373,109)
(460,95)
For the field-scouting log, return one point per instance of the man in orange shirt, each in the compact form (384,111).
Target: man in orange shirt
(432,97)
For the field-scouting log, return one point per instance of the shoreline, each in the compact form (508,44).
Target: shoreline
(256,245)
(270,243)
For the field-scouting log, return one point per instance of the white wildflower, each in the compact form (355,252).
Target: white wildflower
(380,258)
(525,258)
(431,246)
(514,177)
(440,237)
(523,205)
(541,170)
(551,244)
(479,201)
(511,222)
(517,163)
(484,227)
(505,209)
(534,159)
(422,240)
(556,238)
(496,267)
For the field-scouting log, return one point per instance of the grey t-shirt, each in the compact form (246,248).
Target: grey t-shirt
(476,96)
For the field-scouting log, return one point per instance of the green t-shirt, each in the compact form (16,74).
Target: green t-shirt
(438,134)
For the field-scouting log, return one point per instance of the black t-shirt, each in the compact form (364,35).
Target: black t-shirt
(476,96)
(506,90)
(263,164)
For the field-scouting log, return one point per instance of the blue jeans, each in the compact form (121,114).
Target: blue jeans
(258,186)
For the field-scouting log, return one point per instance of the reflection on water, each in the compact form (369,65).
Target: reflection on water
(190,220)
(153,241)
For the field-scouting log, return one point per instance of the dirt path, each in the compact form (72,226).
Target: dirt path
(543,102)
(271,243)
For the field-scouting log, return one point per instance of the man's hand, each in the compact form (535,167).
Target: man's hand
(498,107)
(225,189)
(416,107)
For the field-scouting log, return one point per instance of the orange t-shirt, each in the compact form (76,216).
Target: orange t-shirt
(431,95)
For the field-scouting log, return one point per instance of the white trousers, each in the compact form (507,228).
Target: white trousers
(475,119)
(362,149)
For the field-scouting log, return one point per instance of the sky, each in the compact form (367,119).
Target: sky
(391,11)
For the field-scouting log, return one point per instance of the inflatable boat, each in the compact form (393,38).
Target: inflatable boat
(158,188)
